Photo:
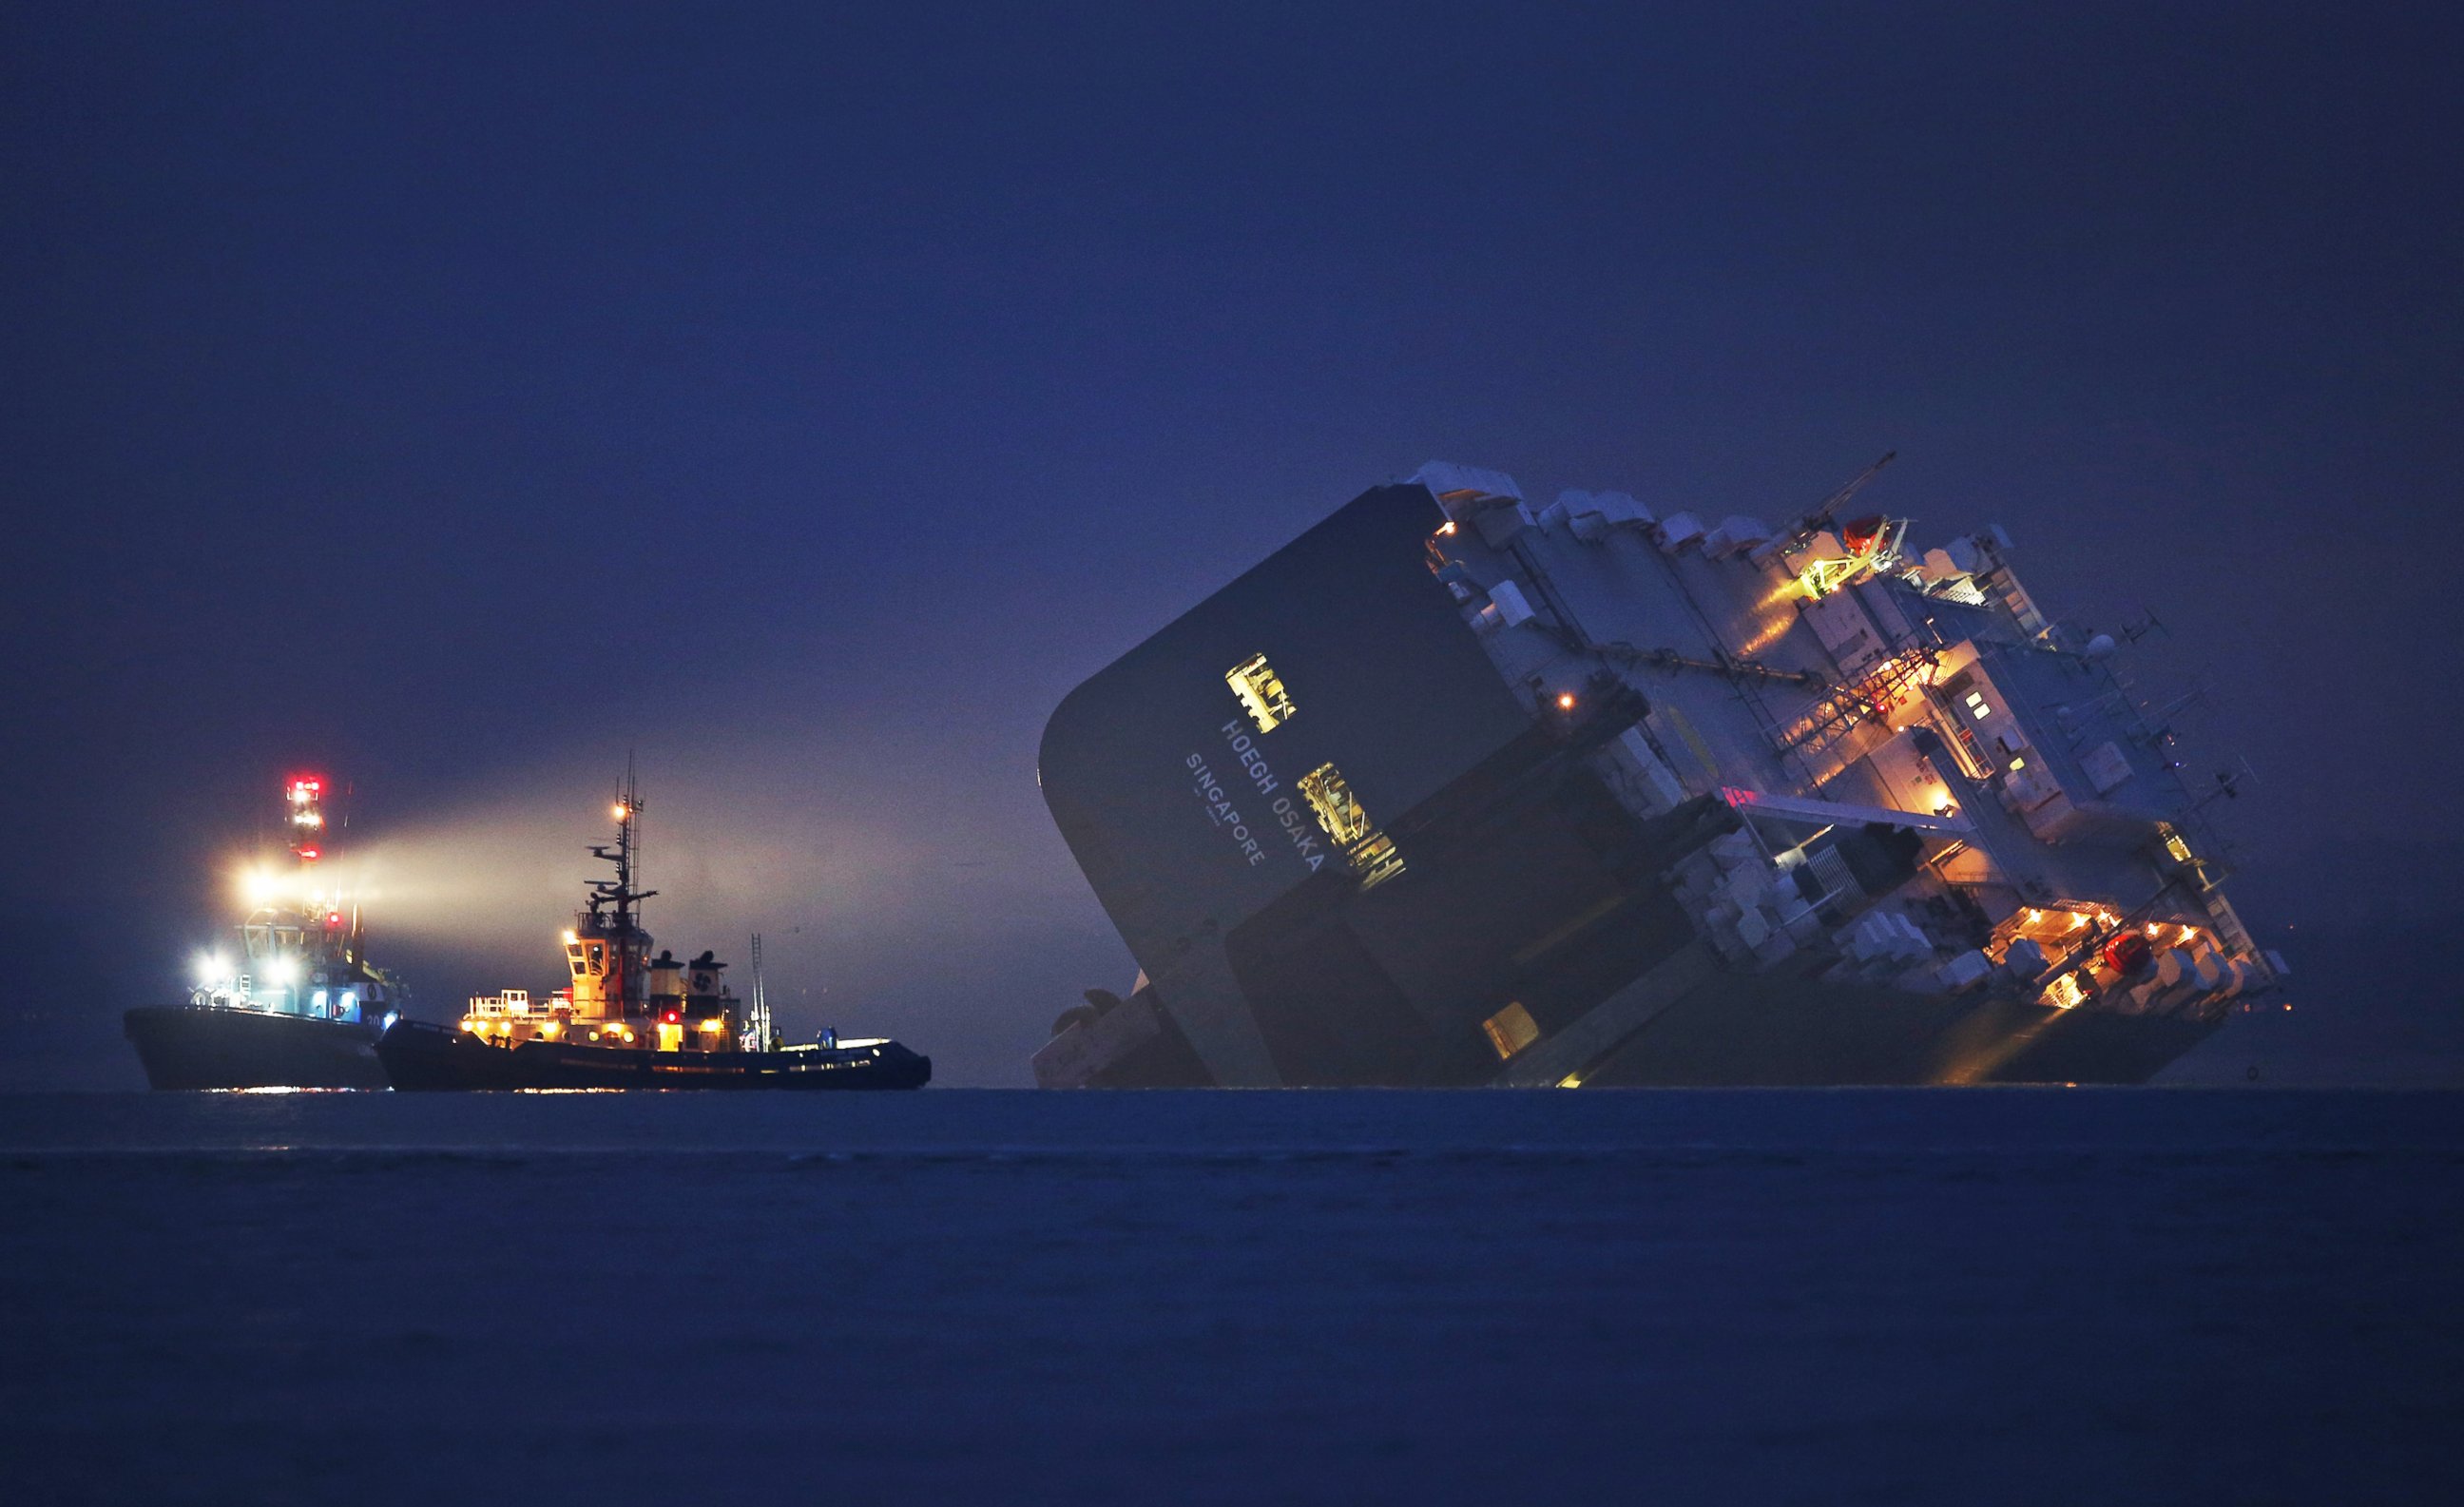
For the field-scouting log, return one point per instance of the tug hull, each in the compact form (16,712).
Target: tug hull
(191,1047)
(418,1056)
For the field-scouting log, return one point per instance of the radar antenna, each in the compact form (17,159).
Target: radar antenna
(2227,785)
(625,854)
(2149,623)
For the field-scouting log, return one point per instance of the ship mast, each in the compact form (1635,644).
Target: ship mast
(286,929)
(758,1025)
(614,902)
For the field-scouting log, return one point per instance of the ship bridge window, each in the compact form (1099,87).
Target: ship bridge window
(1261,692)
(1375,859)
(1338,811)
(598,957)
(1371,852)
(1511,1029)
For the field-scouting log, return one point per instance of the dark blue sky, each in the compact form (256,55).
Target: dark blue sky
(457,399)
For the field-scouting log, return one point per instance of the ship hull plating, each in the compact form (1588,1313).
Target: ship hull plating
(1455,791)
(192,1048)
(419,1057)
(1741,1032)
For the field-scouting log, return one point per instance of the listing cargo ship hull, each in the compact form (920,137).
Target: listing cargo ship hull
(418,1056)
(187,1047)
(1460,789)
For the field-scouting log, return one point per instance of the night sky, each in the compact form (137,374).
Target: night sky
(456,400)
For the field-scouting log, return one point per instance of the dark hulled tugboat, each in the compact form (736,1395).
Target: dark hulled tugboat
(628,1019)
(300,1006)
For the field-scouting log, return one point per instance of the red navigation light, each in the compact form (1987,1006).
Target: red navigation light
(669,1017)
(333,921)
(311,854)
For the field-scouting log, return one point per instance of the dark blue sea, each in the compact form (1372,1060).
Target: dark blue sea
(2058,1297)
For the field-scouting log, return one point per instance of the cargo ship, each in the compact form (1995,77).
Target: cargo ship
(1464,788)
(629,1019)
(294,1003)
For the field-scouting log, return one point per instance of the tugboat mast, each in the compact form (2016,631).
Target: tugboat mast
(614,914)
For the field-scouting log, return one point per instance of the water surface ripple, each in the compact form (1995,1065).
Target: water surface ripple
(2007,1296)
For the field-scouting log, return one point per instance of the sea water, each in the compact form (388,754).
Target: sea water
(2016,1296)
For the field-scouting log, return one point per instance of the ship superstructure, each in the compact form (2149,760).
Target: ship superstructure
(295,1004)
(1460,789)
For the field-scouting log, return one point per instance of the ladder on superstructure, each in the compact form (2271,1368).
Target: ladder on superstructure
(1849,707)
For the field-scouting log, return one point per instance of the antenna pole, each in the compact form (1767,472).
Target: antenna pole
(760,1000)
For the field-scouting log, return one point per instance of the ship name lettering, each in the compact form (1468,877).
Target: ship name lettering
(1303,834)
(1209,789)
(1245,749)
(1219,809)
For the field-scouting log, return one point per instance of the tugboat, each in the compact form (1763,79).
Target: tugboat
(300,1006)
(628,1019)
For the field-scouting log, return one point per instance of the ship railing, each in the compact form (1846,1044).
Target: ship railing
(498,1009)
